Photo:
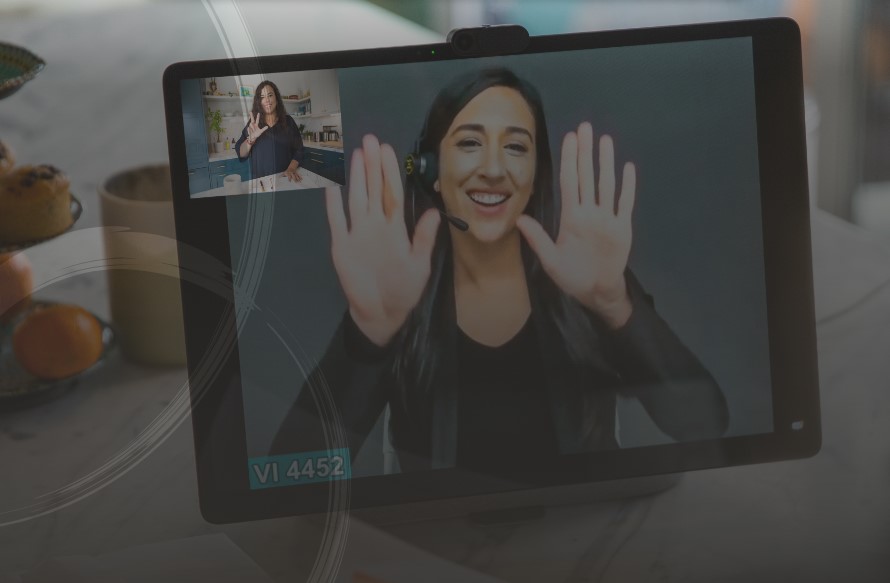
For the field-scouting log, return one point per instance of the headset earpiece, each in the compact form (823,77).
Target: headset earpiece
(422,169)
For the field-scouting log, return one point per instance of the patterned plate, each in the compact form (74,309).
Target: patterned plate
(17,67)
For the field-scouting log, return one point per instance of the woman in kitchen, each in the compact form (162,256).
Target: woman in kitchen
(495,316)
(271,138)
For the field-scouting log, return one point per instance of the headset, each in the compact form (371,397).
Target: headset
(423,169)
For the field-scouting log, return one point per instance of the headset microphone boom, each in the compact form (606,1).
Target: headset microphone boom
(422,168)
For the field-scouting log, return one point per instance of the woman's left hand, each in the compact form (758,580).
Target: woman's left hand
(293,173)
(589,256)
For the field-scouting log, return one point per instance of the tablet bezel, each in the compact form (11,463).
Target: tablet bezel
(202,228)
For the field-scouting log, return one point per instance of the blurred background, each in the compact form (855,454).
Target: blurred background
(846,58)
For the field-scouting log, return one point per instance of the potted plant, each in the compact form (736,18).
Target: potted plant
(215,123)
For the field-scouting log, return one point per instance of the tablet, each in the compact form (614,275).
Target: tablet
(494,265)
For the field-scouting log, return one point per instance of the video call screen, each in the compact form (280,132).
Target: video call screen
(491,264)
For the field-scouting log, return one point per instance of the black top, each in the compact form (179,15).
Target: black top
(535,376)
(274,150)
(498,384)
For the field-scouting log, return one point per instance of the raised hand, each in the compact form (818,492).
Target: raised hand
(589,256)
(254,131)
(382,272)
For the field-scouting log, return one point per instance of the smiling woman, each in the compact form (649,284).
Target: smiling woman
(271,138)
(513,337)
(487,169)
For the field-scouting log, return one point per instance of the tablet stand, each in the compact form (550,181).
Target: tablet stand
(520,506)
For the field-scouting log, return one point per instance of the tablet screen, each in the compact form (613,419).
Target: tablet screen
(504,358)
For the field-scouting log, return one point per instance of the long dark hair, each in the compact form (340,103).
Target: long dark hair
(280,111)
(423,338)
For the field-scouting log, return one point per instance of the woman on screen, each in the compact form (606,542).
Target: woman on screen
(497,318)
(271,138)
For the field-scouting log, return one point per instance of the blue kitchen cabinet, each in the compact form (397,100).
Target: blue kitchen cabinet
(326,163)
(217,173)
(191,97)
(222,168)
(334,164)
(313,160)
(310,164)
(235,166)
(195,141)
(199,180)
(195,136)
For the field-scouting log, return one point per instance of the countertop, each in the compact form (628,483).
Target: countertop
(271,183)
(334,146)
(220,156)
(231,154)
(822,519)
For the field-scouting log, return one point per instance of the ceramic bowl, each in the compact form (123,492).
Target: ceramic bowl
(17,66)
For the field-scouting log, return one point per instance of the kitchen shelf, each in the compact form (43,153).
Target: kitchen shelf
(246,97)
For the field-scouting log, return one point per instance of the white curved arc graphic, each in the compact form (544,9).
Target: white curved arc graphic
(81,252)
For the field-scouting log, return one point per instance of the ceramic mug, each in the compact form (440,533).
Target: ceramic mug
(232,182)
(143,282)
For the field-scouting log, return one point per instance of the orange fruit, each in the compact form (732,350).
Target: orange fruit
(57,341)
(16,283)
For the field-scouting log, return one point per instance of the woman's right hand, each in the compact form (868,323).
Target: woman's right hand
(382,272)
(253,129)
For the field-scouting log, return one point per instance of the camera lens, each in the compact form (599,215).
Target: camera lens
(464,41)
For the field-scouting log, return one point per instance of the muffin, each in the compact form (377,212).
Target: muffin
(34,203)
(7,160)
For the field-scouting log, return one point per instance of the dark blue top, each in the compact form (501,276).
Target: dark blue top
(274,150)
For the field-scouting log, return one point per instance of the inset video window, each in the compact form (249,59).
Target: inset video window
(263,133)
